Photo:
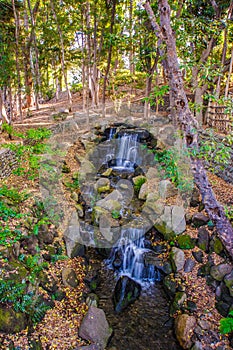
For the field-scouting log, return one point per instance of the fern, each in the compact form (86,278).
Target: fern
(226,324)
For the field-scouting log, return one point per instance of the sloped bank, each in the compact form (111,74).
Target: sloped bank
(169,247)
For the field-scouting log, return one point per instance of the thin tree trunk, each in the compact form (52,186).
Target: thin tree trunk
(109,59)
(33,34)
(16,17)
(187,122)
(63,54)
(218,87)
(229,74)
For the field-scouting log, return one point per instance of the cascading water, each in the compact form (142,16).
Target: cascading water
(128,151)
(129,256)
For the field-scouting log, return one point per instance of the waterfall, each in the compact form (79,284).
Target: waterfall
(131,250)
(128,150)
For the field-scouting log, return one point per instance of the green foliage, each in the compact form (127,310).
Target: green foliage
(9,236)
(33,264)
(73,185)
(229,212)
(185,242)
(21,300)
(39,134)
(6,212)
(13,194)
(226,324)
(173,163)
(138,183)
(116,214)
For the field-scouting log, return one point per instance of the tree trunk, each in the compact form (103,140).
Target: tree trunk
(63,63)
(16,17)
(109,58)
(187,123)
(229,74)
(36,51)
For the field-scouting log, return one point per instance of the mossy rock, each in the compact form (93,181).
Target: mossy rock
(21,271)
(217,246)
(185,242)
(11,321)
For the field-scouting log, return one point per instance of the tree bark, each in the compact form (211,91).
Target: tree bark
(16,17)
(63,54)
(187,123)
(109,58)
(229,74)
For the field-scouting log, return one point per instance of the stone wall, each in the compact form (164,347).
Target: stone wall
(8,162)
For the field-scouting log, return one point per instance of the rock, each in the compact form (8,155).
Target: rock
(197,346)
(125,293)
(203,239)
(75,196)
(152,173)
(72,236)
(180,298)
(198,256)
(172,222)
(217,245)
(95,327)
(228,280)
(87,168)
(189,265)
(45,235)
(167,189)
(204,324)
(11,321)
(92,300)
(184,327)
(69,278)
(80,210)
(191,306)
(185,242)
(48,284)
(109,204)
(195,198)
(30,244)
(107,173)
(170,286)
(199,219)
(223,308)
(219,271)
(89,347)
(177,258)
(102,185)
(149,187)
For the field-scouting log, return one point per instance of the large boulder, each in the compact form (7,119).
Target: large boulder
(167,189)
(102,185)
(95,327)
(219,271)
(203,239)
(177,259)
(172,222)
(184,327)
(11,321)
(199,219)
(228,279)
(125,293)
(69,278)
(72,238)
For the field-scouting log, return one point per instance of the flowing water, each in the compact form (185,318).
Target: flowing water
(144,325)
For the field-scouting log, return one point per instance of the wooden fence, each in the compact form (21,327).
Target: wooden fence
(218,117)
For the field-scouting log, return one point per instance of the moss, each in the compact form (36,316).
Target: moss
(218,247)
(185,242)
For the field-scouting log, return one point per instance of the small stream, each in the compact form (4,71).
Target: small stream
(145,324)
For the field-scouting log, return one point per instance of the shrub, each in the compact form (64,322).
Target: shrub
(226,324)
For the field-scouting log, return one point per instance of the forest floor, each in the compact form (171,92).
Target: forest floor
(59,330)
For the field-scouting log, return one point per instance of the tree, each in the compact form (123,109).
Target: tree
(185,119)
